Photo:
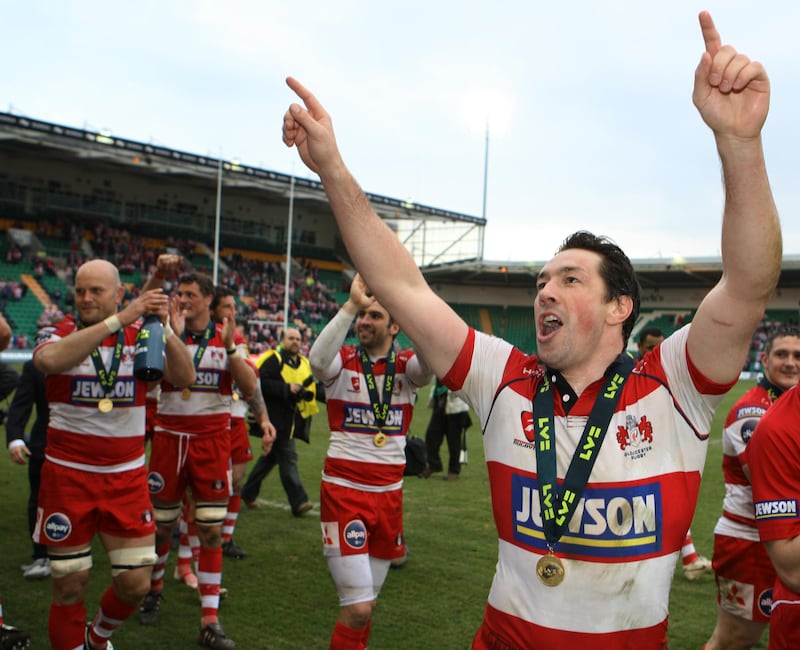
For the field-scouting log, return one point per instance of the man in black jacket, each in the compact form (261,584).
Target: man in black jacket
(8,376)
(30,393)
(290,394)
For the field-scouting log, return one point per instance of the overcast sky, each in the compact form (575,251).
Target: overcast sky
(589,103)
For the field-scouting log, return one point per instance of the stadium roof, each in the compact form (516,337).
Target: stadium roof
(70,143)
(433,235)
(688,273)
(101,149)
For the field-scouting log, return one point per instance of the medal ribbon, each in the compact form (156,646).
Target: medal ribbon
(201,348)
(380,407)
(557,509)
(108,377)
(773,391)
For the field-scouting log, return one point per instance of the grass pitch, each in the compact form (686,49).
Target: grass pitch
(282,597)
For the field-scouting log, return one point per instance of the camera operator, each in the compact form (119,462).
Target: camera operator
(290,394)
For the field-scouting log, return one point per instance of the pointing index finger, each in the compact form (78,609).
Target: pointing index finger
(710,34)
(313,106)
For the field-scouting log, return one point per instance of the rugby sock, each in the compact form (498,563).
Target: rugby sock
(66,625)
(162,550)
(365,633)
(209,576)
(347,638)
(113,613)
(194,543)
(184,563)
(688,551)
(234,504)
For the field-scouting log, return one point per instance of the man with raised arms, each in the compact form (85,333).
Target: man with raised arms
(589,531)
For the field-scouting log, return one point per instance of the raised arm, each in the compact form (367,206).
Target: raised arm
(168,266)
(71,350)
(387,267)
(244,374)
(330,339)
(731,92)
(179,366)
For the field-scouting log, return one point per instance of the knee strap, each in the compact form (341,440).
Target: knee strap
(210,514)
(125,559)
(62,565)
(167,515)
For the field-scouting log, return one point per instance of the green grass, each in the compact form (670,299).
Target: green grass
(282,597)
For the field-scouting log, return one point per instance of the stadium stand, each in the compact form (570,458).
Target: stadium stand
(67,195)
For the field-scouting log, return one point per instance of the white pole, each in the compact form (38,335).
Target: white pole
(215,272)
(288,255)
(485,168)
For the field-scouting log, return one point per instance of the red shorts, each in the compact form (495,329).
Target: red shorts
(745,578)
(240,442)
(784,628)
(178,460)
(354,521)
(75,505)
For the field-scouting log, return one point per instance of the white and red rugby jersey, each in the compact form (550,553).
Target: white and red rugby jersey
(79,435)
(773,455)
(620,546)
(204,409)
(353,459)
(737,518)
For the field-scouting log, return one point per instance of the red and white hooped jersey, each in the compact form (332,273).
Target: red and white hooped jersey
(353,458)
(239,405)
(773,456)
(79,435)
(620,547)
(208,407)
(737,518)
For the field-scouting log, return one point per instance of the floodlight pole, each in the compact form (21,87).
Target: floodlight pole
(485,168)
(288,255)
(217,222)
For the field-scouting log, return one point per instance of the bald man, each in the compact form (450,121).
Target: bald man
(94,479)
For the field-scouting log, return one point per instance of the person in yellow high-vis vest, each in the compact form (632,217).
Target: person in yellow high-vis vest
(290,394)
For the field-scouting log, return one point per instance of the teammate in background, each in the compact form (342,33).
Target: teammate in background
(30,393)
(745,576)
(94,481)
(649,339)
(290,392)
(9,378)
(191,448)
(10,637)
(222,307)
(370,390)
(694,564)
(773,456)
(566,577)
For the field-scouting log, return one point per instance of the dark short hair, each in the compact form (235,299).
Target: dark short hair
(616,271)
(778,332)
(201,279)
(650,331)
(219,293)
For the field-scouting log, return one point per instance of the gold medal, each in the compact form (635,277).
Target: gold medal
(236,397)
(105,405)
(550,570)
(186,393)
(380,439)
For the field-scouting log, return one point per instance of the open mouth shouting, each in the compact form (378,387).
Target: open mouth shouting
(549,324)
